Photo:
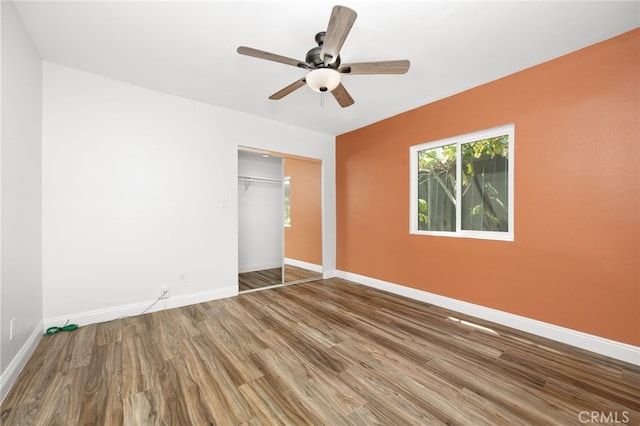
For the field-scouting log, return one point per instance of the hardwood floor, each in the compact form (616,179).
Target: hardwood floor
(259,279)
(269,277)
(324,353)
(296,274)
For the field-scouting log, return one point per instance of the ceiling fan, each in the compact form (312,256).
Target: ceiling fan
(323,62)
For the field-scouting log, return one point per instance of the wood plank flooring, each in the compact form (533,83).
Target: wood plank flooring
(259,279)
(269,277)
(323,353)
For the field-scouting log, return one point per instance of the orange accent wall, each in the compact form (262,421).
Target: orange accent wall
(576,255)
(303,239)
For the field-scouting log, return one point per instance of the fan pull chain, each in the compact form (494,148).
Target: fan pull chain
(322,100)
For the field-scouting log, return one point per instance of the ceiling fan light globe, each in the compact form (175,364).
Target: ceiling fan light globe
(323,80)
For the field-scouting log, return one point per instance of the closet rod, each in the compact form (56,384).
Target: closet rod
(258,179)
(248,180)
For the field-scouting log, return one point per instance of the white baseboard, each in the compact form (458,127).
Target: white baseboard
(600,345)
(108,314)
(302,264)
(10,374)
(260,266)
(329,273)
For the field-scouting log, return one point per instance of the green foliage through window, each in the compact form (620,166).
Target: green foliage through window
(480,201)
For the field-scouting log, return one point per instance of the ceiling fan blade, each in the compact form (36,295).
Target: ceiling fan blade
(342,96)
(381,67)
(340,23)
(249,51)
(290,88)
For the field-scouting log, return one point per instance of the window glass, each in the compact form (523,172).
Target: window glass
(437,189)
(485,185)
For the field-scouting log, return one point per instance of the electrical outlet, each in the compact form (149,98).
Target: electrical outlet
(164,292)
(13,320)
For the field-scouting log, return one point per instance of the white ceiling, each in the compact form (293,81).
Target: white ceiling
(188,48)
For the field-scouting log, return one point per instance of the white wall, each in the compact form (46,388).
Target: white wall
(260,214)
(21,191)
(140,186)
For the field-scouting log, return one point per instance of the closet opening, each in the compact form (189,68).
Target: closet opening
(279,219)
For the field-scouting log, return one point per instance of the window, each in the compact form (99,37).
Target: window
(463,186)
(287,201)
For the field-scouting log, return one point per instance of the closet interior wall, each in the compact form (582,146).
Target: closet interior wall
(260,212)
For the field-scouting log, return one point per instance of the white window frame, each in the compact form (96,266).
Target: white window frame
(507,129)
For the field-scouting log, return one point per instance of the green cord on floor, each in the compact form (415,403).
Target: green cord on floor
(67,327)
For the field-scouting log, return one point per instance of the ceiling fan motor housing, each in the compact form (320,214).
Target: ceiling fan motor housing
(314,58)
